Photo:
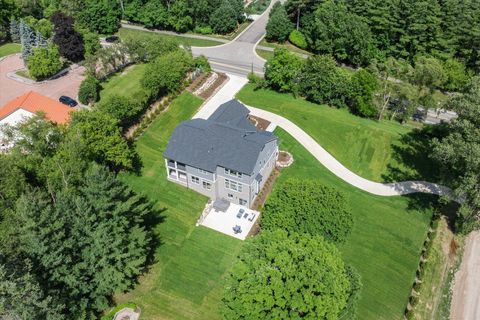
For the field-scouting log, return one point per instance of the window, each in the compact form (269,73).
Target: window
(203,171)
(242,202)
(195,180)
(233,173)
(233,185)
(230,196)
(207,185)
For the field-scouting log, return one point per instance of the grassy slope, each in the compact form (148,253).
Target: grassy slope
(186,280)
(385,243)
(126,82)
(9,48)
(362,145)
(124,32)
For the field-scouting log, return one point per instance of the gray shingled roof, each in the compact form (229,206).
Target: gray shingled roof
(225,139)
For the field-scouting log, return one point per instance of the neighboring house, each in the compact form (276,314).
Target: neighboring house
(25,106)
(223,157)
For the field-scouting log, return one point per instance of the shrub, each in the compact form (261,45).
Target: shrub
(203,29)
(88,91)
(298,39)
(202,63)
(308,207)
(44,62)
(123,109)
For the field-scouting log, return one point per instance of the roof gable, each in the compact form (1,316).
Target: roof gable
(206,144)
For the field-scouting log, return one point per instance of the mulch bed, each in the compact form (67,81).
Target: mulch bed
(260,123)
(222,77)
(197,83)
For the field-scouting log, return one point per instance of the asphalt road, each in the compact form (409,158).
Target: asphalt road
(238,57)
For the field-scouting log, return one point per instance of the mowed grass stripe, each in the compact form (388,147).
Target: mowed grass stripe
(186,281)
(386,240)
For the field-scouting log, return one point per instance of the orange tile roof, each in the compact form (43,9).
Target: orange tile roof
(35,102)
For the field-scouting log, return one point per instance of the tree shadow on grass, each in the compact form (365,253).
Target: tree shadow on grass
(413,156)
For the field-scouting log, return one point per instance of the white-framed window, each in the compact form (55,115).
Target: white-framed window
(233,185)
(230,196)
(195,180)
(233,173)
(203,171)
(207,185)
(242,202)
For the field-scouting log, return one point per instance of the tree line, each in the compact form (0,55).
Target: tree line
(360,32)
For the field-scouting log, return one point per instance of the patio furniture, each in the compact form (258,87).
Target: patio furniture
(240,213)
(237,229)
(252,216)
(245,215)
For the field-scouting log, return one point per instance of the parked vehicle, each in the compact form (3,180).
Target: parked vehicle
(68,101)
(112,39)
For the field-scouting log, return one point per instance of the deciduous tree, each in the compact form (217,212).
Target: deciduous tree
(281,276)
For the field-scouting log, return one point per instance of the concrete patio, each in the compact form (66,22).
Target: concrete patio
(224,222)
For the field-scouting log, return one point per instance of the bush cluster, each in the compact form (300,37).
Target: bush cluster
(89,90)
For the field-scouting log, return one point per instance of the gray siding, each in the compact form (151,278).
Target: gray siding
(264,166)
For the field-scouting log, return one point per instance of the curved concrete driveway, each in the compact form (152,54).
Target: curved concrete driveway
(325,158)
(238,56)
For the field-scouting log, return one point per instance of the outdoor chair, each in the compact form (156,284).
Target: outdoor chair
(252,216)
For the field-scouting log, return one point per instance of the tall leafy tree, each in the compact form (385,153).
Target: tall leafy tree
(224,18)
(44,62)
(102,16)
(281,276)
(458,154)
(278,26)
(321,81)
(309,207)
(333,30)
(69,41)
(102,138)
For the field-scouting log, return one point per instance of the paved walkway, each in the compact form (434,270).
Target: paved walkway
(235,83)
(332,164)
(9,88)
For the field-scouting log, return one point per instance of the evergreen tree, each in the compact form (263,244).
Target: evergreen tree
(28,40)
(15,30)
(278,26)
(40,41)
(86,244)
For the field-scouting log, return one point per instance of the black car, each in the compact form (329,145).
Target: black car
(111,39)
(68,101)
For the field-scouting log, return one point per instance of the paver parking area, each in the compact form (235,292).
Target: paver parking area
(9,88)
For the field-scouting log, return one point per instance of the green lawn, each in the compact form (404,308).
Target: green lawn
(9,48)
(186,280)
(386,241)
(126,82)
(125,32)
(265,54)
(366,147)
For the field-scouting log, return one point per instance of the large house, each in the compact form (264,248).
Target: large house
(223,157)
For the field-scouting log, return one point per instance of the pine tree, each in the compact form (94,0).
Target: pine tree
(88,243)
(27,39)
(14,31)
(40,41)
